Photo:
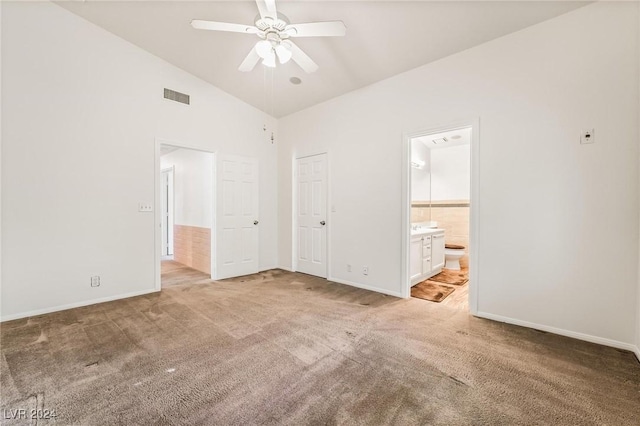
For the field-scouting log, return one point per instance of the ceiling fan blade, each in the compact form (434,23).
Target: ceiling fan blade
(262,8)
(301,58)
(267,8)
(271,7)
(317,29)
(250,61)
(224,26)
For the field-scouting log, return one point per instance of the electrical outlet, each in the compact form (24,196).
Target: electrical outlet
(348,268)
(95,281)
(365,270)
(145,207)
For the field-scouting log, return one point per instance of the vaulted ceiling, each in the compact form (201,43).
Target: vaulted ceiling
(383,39)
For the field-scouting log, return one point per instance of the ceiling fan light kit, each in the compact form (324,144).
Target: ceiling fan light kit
(270,48)
(263,48)
(269,60)
(274,30)
(284,52)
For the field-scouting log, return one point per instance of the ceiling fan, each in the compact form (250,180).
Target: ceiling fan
(274,31)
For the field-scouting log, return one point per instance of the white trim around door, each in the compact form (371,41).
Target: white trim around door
(474,223)
(167,213)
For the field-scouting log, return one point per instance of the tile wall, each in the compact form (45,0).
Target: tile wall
(192,247)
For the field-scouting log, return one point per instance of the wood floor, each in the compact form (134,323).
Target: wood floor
(285,348)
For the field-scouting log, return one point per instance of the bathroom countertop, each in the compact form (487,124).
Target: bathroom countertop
(425,231)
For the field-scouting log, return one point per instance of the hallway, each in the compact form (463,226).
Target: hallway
(174,273)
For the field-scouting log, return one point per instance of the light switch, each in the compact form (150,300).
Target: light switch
(145,207)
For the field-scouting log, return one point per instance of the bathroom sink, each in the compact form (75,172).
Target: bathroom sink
(423,227)
(422,231)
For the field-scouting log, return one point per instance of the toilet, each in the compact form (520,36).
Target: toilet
(452,255)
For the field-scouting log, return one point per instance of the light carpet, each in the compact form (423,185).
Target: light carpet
(286,348)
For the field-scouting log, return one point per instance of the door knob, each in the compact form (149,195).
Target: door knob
(323,223)
(255,222)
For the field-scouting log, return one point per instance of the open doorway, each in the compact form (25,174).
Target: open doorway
(186,215)
(439,203)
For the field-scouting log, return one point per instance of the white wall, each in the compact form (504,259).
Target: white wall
(81,111)
(1,154)
(637,349)
(193,186)
(558,220)
(451,173)
(420,178)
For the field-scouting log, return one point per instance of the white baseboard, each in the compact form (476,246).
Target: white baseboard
(562,332)
(636,350)
(267,268)
(74,305)
(353,284)
(366,287)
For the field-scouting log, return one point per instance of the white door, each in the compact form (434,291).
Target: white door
(311,214)
(167,212)
(237,216)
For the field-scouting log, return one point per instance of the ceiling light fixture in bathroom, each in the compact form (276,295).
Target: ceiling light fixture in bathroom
(439,140)
(456,137)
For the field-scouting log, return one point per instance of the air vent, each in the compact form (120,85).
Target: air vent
(172,95)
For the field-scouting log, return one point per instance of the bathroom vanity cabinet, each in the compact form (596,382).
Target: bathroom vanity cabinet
(426,254)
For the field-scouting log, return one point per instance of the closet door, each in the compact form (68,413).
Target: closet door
(311,215)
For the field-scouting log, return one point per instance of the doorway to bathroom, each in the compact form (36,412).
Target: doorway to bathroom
(438,216)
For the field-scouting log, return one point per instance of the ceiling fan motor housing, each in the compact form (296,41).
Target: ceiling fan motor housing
(268,23)
(273,37)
